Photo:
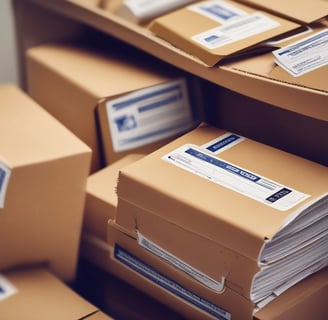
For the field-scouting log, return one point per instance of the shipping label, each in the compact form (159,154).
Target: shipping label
(305,55)
(198,161)
(149,115)
(235,30)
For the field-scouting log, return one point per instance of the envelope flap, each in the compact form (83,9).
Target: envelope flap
(204,31)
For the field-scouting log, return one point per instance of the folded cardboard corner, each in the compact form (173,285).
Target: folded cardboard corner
(36,294)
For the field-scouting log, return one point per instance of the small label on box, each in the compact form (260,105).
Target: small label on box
(7,289)
(181,265)
(149,115)
(305,55)
(223,143)
(166,283)
(196,160)
(4,180)
(235,30)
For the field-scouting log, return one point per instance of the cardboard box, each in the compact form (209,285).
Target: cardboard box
(301,11)
(36,294)
(236,221)
(100,206)
(211,30)
(43,175)
(155,277)
(250,78)
(87,79)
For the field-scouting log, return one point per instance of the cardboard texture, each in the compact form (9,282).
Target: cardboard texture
(40,295)
(100,206)
(43,198)
(162,190)
(302,11)
(83,77)
(303,301)
(183,28)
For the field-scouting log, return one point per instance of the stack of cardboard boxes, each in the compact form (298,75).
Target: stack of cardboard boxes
(154,202)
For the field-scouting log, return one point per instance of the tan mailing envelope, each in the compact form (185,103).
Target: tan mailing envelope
(213,30)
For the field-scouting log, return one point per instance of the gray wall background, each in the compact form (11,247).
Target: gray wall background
(8,58)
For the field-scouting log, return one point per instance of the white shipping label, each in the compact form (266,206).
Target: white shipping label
(196,160)
(4,180)
(181,265)
(305,55)
(149,115)
(6,288)
(218,10)
(235,30)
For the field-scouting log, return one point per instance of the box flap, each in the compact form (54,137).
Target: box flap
(218,29)
(41,296)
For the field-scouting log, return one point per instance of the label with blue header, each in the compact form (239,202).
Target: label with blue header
(223,142)
(4,180)
(304,55)
(7,289)
(200,162)
(150,114)
(168,284)
(234,24)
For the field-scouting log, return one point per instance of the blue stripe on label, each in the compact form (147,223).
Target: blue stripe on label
(150,273)
(161,103)
(222,143)
(223,165)
(278,195)
(128,102)
(219,11)
(300,46)
(2,177)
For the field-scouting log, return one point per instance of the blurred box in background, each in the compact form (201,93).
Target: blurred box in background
(43,175)
(36,294)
